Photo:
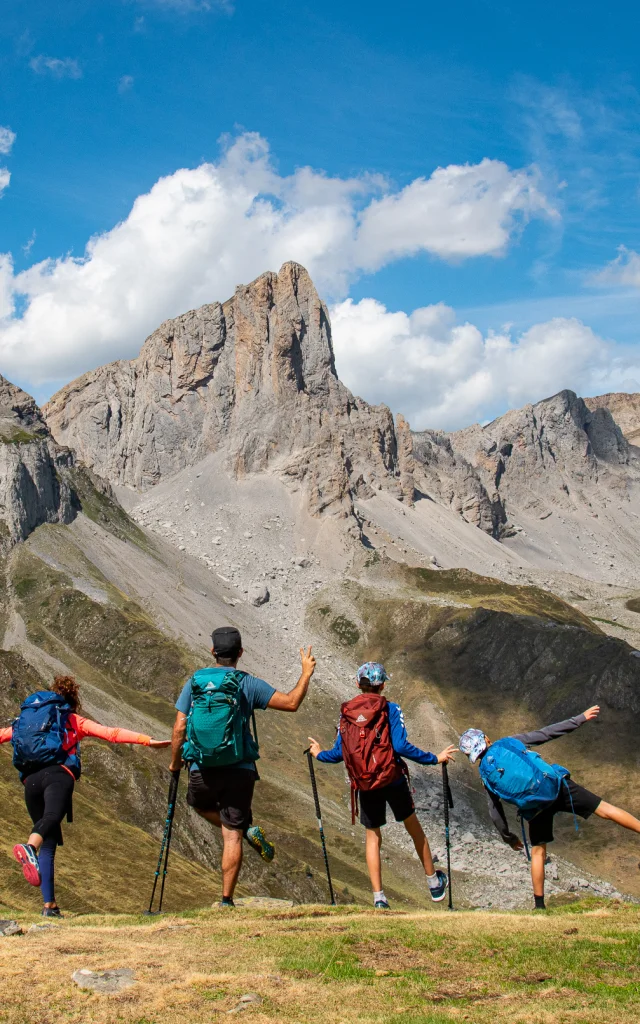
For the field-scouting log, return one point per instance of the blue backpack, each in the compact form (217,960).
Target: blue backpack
(520,776)
(38,734)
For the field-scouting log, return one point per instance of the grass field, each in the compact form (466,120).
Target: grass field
(573,965)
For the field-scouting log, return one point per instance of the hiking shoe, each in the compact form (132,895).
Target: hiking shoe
(52,912)
(381,905)
(440,891)
(256,838)
(27,858)
(226,902)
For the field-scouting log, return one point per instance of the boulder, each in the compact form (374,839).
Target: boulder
(105,982)
(258,595)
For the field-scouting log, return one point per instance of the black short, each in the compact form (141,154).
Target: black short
(572,798)
(373,803)
(227,790)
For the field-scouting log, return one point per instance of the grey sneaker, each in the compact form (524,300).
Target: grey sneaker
(439,893)
(381,905)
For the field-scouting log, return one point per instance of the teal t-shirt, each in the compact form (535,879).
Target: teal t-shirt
(255,695)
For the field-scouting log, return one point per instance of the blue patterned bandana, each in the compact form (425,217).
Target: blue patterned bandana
(373,672)
(473,744)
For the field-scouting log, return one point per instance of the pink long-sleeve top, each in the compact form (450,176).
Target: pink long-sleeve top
(78,728)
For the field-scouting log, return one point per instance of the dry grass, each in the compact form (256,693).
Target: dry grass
(572,966)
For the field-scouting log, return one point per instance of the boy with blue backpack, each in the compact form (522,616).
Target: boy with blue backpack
(212,735)
(511,772)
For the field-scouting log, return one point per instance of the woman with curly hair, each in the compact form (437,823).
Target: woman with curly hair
(46,741)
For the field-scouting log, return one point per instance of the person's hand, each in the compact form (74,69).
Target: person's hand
(308,662)
(158,744)
(591,712)
(447,755)
(516,844)
(314,746)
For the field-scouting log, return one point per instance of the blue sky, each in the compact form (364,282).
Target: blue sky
(106,98)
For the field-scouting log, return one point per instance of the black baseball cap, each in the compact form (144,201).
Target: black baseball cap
(226,641)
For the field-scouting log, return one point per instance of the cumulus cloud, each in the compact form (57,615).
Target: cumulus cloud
(621,272)
(5,178)
(444,374)
(57,67)
(7,139)
(199,232)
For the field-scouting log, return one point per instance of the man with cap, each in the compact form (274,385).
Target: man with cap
(372,729)
(223,794)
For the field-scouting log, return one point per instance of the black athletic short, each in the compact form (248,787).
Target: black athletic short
(373,803)
(572,798)
(227,790)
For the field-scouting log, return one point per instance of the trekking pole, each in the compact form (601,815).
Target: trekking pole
(164,846)
(448,802)
(319,817)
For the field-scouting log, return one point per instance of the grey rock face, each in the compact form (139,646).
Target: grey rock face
(33,487)
(552,454)
(625,409)
(258,595)
(446,476)
(255,378)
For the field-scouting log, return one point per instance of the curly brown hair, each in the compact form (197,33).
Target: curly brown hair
(67,688)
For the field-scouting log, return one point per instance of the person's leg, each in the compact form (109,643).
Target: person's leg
(421,843)
(612,813)
(373,844)
(538,860)
(231,860)
(57,789)
(47,859)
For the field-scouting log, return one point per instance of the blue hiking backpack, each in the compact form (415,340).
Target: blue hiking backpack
(217,732)
(520,776)
(38,734)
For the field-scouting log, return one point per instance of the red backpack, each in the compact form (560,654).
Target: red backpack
(366,745)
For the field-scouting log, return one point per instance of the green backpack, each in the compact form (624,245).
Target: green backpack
(216,734)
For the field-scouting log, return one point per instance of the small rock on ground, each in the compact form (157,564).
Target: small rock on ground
(105,982)
(248,1000)
(10,928)
(258,595)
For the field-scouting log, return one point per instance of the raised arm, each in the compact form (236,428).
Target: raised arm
(553,732)
(291,701)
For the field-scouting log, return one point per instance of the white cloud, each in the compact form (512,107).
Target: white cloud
(444,374)
(5,178)
(7,139)
(621,272)
(200,232)
(125,84)
(57,67)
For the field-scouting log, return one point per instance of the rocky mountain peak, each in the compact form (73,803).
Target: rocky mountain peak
(625,409)
(33,486)
(253,378)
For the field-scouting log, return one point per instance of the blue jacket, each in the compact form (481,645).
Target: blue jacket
(399,741)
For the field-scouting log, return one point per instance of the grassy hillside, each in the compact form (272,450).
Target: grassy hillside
(314,964)
(505,659)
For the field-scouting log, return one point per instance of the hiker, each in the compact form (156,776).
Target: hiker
(372,740)
(510,771)
(213,737)
(46,751)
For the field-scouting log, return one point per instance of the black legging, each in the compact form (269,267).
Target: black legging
(47,794)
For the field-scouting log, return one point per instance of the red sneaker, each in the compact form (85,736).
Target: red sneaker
(27,858)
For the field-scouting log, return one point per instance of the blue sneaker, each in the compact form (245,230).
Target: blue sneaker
(381,905)
(440,891)
(256,838)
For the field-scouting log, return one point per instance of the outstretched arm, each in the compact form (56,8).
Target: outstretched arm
(291,701)
(553,732)
(332,756)
(6,734)
(86,727)
(402,746)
